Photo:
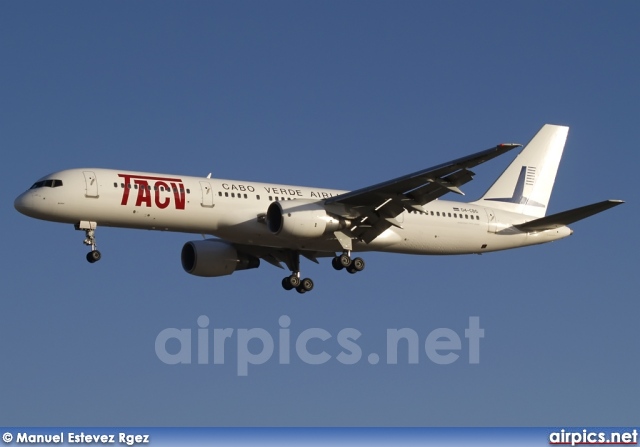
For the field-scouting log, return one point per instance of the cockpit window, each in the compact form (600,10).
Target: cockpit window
(50,183)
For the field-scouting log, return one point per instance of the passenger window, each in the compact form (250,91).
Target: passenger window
(257,197)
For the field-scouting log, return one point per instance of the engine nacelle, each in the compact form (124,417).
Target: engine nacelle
(302,218)
(212,257)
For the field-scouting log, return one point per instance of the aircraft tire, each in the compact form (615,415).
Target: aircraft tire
(307,284)
(286,284)
(294,281)
(358,264)
(93,256)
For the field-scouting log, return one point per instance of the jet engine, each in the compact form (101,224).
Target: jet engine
(302,219)
(213,257)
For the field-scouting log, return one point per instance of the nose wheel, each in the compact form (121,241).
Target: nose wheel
(93,256)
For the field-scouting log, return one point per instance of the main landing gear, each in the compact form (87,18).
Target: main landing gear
(340,262)
(90,240)
(293,281)
(344,261)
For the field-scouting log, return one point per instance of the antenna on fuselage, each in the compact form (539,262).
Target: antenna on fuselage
(209,176)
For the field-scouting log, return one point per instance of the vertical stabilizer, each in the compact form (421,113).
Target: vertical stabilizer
(525,186)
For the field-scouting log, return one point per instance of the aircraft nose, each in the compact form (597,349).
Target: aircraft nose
(24,203)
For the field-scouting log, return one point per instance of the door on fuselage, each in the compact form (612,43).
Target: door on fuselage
(492,220)
(207,195)
(91,184)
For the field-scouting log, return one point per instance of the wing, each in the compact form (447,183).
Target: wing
(374,209)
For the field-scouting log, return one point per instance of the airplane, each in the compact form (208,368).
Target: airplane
(253,221)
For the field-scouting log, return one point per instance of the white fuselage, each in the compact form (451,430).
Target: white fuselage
(234,210)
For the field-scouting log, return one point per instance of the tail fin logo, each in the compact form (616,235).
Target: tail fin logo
(527,177)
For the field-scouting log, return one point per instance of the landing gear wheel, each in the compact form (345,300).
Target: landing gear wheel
(286,284)
(301,289)
(290,282)
(93,256)
(306,284)
(358,264)
(345,260)
(294,281)
(335,262)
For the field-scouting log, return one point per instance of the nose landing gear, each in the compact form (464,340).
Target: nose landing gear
(89,229)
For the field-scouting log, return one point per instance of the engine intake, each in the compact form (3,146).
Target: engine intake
(302,219)
(212,257)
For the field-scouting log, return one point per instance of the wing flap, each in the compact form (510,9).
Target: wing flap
(567,217)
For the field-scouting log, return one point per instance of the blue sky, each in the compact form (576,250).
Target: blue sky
(329,94)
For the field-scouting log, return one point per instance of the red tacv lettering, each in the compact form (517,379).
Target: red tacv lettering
(144,191)
(159,204)
(178,194)
(125,193)
(144,195)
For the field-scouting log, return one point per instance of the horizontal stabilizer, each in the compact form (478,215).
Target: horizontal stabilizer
(567,217)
